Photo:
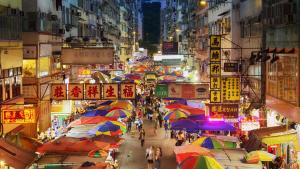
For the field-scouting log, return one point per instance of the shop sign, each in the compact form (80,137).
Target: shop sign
(150,76)
(215,41)
(226,111)
(188,91)
(215,83)
(201,91)
(249,125)
(92,92)
(215,55)
(84,73)
(45,50)
(75,91)
(231,89)
(174,90)
(29,52)
(110,91)
(170,48)
(215,69)
(161,91)
(231,67)
(215,96)
(87,56)
(19,116)
(127,91)
(58,92)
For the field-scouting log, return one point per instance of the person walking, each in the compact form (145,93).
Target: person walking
(142,137)
(158,155)
(150,155)
(166,126)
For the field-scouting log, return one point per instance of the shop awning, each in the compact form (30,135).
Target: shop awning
(287,110)
(281,139)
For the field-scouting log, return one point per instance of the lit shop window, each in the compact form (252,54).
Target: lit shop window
(44,66)
(29,68)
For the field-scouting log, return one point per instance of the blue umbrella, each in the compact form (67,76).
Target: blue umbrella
(108,102)
(185,124)
(215,126)
(95,113)
(105,128)
(118,79)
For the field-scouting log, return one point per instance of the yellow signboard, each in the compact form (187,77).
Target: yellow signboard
(215,96)
(215,69)
(215,41)
(215,83)
(231,89)
(215,55)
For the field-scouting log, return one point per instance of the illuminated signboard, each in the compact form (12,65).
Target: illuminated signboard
(19,116)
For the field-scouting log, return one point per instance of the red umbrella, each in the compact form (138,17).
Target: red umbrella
(90,120)
(193,111)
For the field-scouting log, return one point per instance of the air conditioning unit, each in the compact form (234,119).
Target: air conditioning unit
(61,31)
(53,18)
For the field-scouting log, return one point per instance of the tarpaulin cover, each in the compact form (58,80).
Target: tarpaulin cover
(215,126)
(89,120)
(185,124)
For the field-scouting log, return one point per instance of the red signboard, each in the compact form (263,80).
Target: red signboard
(110,91)
(59,92)
(19,116)
(128,91)
(188,91)
(93,91)
(75,91)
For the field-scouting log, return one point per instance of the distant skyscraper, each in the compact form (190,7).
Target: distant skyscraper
(151,22)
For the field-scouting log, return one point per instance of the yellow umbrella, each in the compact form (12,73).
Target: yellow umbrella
(259,155)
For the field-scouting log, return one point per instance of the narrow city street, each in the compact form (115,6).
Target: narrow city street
(133,155)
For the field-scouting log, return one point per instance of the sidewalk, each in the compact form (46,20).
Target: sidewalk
(133,156)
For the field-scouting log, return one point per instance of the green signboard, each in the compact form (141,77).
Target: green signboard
(161,91)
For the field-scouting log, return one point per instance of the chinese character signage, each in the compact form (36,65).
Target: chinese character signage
(110,91)
(231,89)
(215,83)
(127,91)
(75,91)
(215,41)
(215,96)
(231,67)
(226,111)
(161,90)
(59,92)
(92,92)
(19,116)
(170,48)
(215,55)
(78,91)
(215,69)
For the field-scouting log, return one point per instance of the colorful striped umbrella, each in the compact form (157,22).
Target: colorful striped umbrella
(200,162)
(213,143)
(183,152)
(107,128)
(121,125)
(118,113)
(97,153)
(259,155)
(176,114)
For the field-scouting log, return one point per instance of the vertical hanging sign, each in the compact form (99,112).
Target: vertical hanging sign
(92,92)
(58,92)
(127,91)
(215,68)
(75,91)
(110,91)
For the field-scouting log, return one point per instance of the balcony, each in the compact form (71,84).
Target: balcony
(10,28)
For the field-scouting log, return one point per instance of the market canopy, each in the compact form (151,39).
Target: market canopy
(183,152)
(215,126)
(95,113)
(185,124)
(89,120)
(200,162)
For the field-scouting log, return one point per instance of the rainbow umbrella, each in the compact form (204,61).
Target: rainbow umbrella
(121,125)
(200,162)
(122,104)
(118,113)
(97,153)
(176,114)
(259,155)
(183,152)
(213,143)
(107,128)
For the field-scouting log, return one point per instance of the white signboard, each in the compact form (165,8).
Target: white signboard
(247,126)
(45,50)
(84,56)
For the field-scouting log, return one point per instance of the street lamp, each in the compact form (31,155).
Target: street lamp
(204,2)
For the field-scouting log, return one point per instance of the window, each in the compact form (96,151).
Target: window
(1,90)
(16,86)
(7,89)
